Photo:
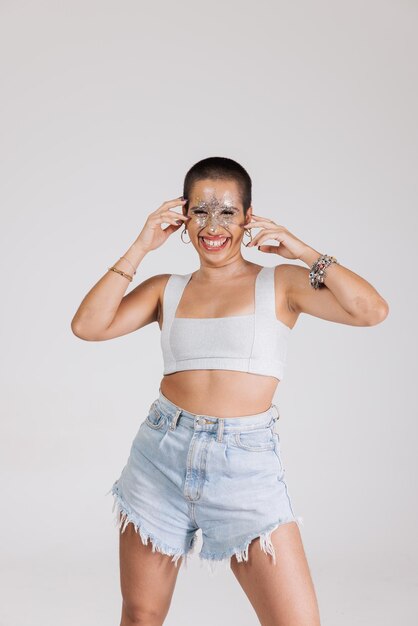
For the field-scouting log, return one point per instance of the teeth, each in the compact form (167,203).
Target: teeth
(214,243)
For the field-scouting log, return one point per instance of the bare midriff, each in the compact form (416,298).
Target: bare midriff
(219,393)
(224,393)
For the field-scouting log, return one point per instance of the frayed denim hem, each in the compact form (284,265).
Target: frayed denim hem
(213,561)
(124,516)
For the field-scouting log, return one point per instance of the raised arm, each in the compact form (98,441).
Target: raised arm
(345,297)
(105,312)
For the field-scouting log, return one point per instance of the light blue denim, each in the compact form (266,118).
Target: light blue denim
(222,475)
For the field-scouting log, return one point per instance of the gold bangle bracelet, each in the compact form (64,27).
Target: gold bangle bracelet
(115,269)
(124,257)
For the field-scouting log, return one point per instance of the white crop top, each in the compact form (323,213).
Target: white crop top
(254,343)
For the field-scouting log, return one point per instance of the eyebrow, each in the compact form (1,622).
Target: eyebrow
(223,206)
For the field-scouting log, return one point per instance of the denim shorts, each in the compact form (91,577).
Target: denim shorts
(222,475)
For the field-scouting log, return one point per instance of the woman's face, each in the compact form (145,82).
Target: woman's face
(216,225)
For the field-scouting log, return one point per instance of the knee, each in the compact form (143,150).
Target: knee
(135,615)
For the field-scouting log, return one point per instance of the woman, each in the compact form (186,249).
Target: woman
(207,455)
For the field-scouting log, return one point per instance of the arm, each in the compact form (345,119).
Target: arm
(105,312)
(345,297)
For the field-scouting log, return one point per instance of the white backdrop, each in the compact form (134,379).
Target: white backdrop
(105,107)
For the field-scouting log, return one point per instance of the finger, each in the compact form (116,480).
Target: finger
(174,201)
(262,236)
(181,216)
(171,203)
(168,219)
(271,249)
(266,219)
(170,229)
(256,218)
(262,239)
(258,223)
(173,215)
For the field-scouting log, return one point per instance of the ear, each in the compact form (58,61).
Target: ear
(249,215)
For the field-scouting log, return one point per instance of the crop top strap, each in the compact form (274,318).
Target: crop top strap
(171,298)
(265,299)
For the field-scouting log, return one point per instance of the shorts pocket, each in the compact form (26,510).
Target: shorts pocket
(154,419)
(277,451)
(258,440)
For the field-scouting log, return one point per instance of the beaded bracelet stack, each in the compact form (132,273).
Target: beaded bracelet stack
(317,274)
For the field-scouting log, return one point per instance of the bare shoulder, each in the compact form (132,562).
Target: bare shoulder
(290,275)
(284,272)
(140,307)
(156,282)
(152,286)
(149,293)
(137,309)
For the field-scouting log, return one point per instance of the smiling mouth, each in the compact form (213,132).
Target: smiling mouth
(215,243)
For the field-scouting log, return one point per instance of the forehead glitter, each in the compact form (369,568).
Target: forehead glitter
(214,213)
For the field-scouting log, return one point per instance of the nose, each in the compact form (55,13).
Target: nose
(213,223)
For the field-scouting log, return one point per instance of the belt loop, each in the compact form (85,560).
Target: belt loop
(278,414)
(220,430)
(173,423)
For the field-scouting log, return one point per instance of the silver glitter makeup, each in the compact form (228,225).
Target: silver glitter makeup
(214,213)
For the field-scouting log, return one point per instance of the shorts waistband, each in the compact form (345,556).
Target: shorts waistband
(210,422)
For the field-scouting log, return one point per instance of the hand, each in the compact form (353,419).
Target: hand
(289,246)
(152,236)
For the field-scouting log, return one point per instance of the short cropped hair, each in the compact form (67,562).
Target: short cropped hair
(219,167)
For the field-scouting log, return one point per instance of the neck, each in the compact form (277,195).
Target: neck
(217,273)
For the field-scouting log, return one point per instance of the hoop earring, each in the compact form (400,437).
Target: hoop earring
(247,231)
(184,231)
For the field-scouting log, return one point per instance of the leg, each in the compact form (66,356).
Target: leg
(281,594)
(147,581)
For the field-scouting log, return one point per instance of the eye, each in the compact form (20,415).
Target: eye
(197,211)
(228,212)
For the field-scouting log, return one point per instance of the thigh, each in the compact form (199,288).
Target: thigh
(147,580)
(282,594)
